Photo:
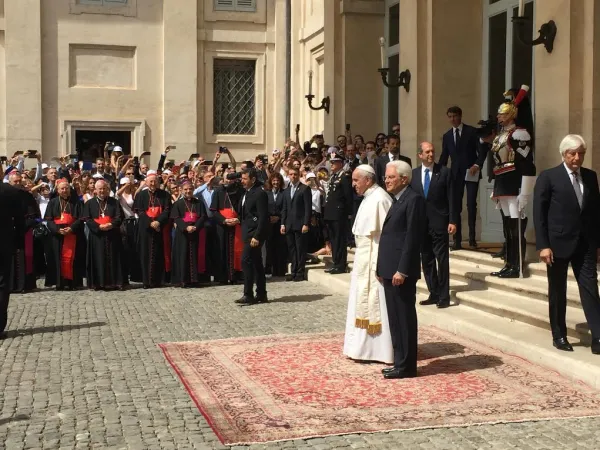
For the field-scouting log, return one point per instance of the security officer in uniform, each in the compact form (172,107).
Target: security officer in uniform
(514,175)
(338,211)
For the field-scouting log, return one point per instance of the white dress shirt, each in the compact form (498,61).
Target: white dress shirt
(460,131)
(423,167)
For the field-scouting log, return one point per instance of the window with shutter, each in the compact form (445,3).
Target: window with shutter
(235,5)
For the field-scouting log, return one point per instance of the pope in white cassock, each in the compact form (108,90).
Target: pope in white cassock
(368,335)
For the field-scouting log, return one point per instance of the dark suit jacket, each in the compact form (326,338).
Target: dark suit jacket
(380,163)
(296,211)
(469,151)
(340,199)
(401,237)
(275,207)
(558,219)
(438,204)
(12,224)
(254,214)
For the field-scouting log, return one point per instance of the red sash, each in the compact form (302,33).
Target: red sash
(103,220)
(29,252)
(67,256)
(166,235)
(154,211)
(238,243)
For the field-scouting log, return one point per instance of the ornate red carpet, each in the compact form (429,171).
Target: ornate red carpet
(254,390)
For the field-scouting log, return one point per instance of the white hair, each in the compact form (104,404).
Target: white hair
(402,168)
(571,142)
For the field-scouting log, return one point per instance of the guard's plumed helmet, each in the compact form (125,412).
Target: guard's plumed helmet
(510,107)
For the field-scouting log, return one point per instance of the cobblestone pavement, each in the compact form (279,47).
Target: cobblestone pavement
(83,370)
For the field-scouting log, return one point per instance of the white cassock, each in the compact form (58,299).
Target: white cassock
(368,335)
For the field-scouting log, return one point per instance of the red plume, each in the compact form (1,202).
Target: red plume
(521,95)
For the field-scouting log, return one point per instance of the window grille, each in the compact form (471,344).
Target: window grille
(235,5)
(234,96)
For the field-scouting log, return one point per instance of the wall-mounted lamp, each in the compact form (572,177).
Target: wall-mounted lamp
(547,31)
(403,77)
(324,102)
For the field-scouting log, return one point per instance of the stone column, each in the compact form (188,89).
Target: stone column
(362,25)
(23,48)
(180,82)
(276,134)
(334,77)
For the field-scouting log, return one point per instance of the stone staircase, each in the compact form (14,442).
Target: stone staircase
(508,314)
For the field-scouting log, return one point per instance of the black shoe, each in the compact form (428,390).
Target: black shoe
(596,346)
(297,279)
(501,271)
(336,271)
(513,272)
(562,344)
(289,277)
(262,299)
(429,301)
(387,370)
(329,270)
(443,304)
(456,246)
(472,243)
(397,373)
(246,300)
(3,335)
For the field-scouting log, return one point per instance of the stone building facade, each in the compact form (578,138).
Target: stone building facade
(200,74)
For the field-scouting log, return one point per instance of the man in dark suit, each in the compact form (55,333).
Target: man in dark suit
(254,218)
(12,228)
(393,154)
(399,268)
(566,215)
(461,144)
(295,221)
(434,183)
(337,212)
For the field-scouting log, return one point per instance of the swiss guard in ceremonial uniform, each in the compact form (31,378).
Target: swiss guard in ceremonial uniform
(514,173)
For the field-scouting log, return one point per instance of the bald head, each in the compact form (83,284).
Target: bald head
(426,153)
(102,190)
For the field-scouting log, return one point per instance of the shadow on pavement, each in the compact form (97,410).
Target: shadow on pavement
(17,418)
(51,329)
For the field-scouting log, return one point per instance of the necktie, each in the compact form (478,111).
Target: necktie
(426,182)
(292,191)
(577,188)
(456,136)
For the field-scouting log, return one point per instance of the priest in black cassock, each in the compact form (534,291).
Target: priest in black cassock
(189,243)
(23,269)
(103,217)
(66,263)
(230,233)
(153,206)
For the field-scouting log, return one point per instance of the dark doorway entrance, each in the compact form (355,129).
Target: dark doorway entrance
(90,143)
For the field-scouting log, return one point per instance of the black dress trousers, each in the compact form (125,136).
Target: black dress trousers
(337,230)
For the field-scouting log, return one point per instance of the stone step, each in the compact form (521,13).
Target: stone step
(512,306)
(534,267)
(507,328)
(533,286)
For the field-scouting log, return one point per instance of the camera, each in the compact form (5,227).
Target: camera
(235,176)
(223,150)
(486,127)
